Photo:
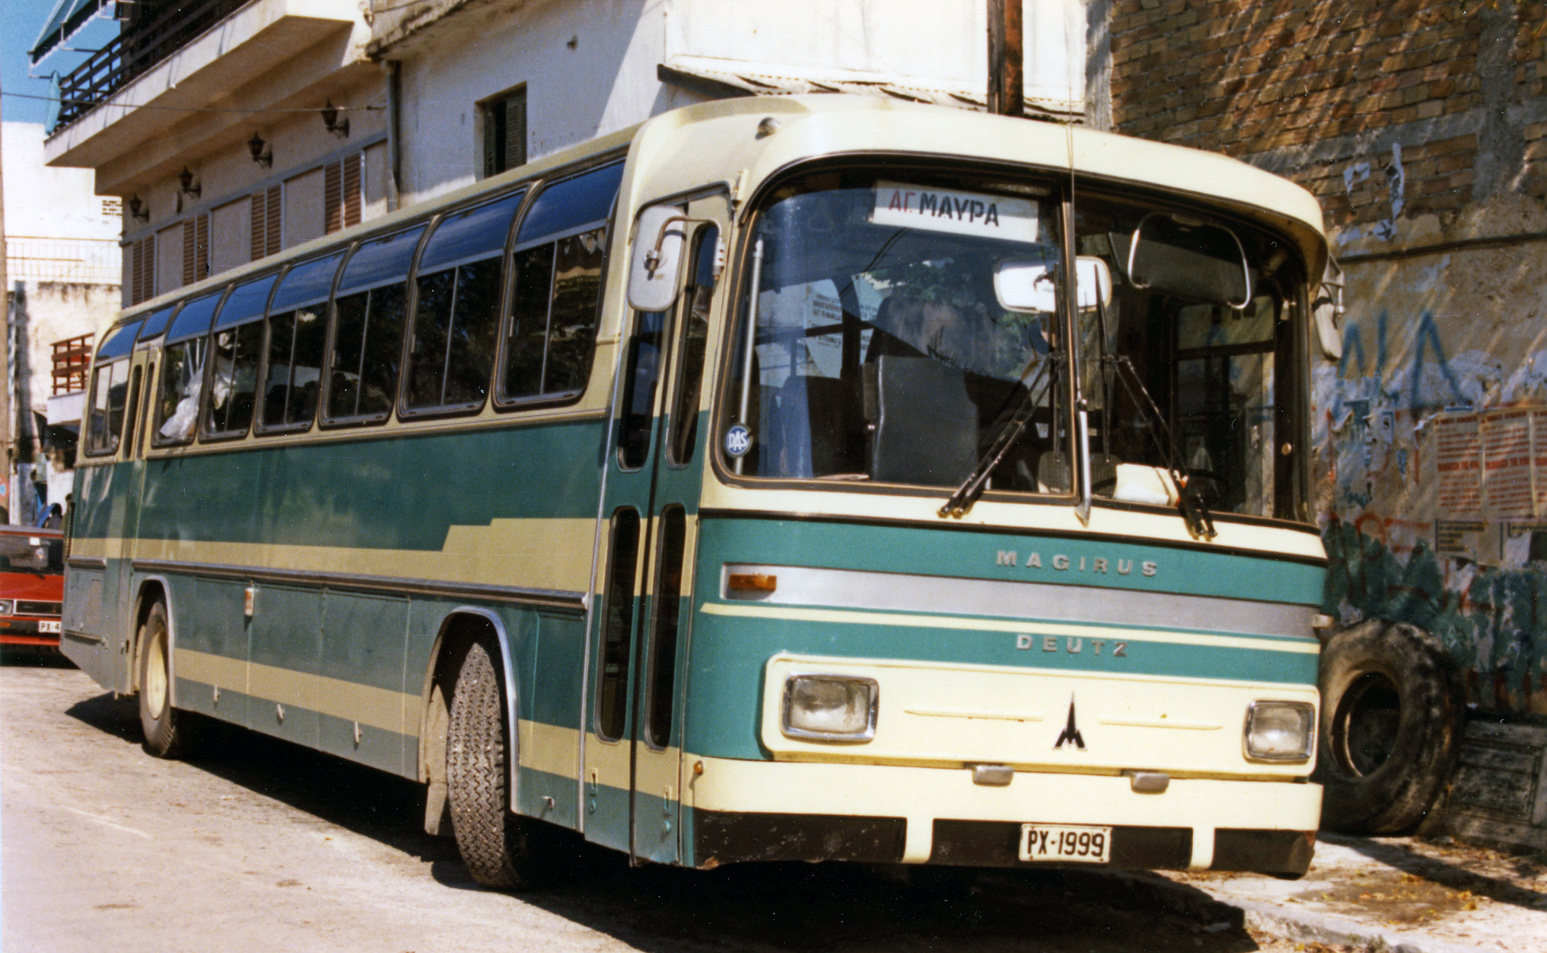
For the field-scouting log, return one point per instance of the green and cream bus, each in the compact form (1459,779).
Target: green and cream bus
(780,479)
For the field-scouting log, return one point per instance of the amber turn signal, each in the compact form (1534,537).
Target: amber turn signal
(751,582)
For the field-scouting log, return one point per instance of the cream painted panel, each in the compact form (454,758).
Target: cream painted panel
(534,554)
(944,714)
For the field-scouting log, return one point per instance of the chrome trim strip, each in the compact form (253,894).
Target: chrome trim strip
(86,562)
(1045,602)
(83,637)
(550,598)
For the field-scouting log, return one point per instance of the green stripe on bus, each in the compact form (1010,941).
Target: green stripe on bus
(402,491)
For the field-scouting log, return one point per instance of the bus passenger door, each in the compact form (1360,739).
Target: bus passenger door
(632,769)
(124,520)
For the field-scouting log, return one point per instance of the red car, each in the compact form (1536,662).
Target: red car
(31,587)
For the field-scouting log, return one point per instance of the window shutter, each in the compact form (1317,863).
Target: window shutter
(272,226)
(265,223)
(190,246)
(201,245)
(491,131)
(332,197)
(515,131)
(352,189)
(259,224)
(142,265)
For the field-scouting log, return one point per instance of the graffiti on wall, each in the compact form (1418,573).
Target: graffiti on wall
(1432,462)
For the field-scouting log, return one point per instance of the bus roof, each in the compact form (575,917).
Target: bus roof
(727,140)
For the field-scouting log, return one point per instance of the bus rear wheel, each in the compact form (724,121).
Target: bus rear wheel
(496,844)
(1390,727)
(165,736)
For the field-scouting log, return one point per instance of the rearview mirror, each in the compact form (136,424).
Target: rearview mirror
(1175,255)
(656,259)
(1029,284)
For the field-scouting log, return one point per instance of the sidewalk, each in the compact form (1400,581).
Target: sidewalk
(1397,894)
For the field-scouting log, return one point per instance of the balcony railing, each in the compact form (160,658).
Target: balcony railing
(136,51)
(72,359)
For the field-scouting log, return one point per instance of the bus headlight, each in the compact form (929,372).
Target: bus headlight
(830,707)
(5,607)
(1280,731)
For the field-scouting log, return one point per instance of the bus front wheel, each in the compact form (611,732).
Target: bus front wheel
(495,843)
(164,735)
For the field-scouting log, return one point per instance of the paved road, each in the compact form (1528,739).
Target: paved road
(256,845)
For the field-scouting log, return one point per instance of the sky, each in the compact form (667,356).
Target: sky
(20,23)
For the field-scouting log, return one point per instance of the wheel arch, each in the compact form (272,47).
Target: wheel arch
(458,630)
(153,589)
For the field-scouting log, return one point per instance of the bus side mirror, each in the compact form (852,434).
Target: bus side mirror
(657,258)
(1328,311)
(1028,285)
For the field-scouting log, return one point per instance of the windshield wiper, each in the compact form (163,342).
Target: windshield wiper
(1009,433)
(1195,512)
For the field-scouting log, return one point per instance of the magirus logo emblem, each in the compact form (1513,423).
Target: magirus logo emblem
(1071,732)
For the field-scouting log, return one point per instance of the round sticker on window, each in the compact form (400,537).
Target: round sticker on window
(738,441)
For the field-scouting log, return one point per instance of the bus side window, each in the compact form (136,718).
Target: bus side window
(693,336)
(371,303)
(182,372)
(561,250)
(237,344)
(617,622)
(639,380)
(234,385)
(457,315)
(131,412)
(106,420)
(109,383)
(297,333)
(662,678)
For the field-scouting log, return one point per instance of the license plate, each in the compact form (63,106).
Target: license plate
(1084,845)
(46,626)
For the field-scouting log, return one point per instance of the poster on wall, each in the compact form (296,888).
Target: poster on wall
(1458,467)
(1505,437)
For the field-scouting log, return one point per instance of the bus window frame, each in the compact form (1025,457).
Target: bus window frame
(160,343)
(324,421)
(608,225)
(226,436)
(526,190)
(131,328)
(259,428)
(1054,180)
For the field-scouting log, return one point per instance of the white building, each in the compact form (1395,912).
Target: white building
(62,266)
(233,129)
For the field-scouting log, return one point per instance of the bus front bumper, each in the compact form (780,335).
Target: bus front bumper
(750,810)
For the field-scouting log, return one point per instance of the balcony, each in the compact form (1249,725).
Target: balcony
(188,78)
(72,359)
(135,51)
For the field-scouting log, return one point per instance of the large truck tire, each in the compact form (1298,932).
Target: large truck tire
(1390,727)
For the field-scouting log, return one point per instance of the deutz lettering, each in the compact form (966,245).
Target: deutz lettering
(1071,645)
(1091,564)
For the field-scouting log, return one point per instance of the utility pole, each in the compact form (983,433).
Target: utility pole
(1006,58)
(7,431)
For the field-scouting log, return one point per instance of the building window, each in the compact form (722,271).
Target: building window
(342,193)
(195,248)
(266,218)
(142,269)
(504,132)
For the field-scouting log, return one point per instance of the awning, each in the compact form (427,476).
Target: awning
(723,78)
(68,17)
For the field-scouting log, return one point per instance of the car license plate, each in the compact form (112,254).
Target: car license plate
(1084,845)
(47,626)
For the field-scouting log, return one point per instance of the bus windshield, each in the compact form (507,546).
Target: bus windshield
(880,351)
(883,353)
